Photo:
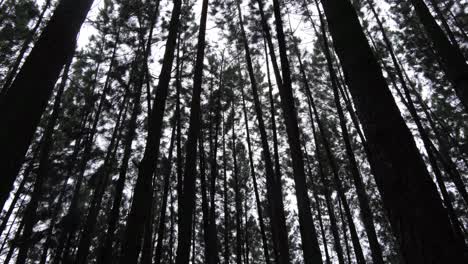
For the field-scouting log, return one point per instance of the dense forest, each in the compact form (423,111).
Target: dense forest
(233,131)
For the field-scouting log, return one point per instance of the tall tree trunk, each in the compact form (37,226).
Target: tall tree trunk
(408,101)
(167,168)
(188,194)
(273,119)
(73,210)
(214,174)
(274,192)
(409,195)
(254,180)
(225,196)
(24,48)
(30,214)
(105,251)
(143,188)
(326,190)
(205,208)
(366,213)
(237,195)
(87,233)
(317,205)
(345,232)
(451,56)
(20,114)
(309,245)
(334,166)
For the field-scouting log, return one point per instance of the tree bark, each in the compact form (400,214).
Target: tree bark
(309,244)
(274,192)
(20,114)
(188,195)
(451,56)
(30,214)
(413,205)
(143,188)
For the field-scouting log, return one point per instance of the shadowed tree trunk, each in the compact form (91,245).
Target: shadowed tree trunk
(20,114)
(188,194)
(273,182)
(30,215)
(309,243)
(254,180)
(105,251)
(451,56)
(410,197)
(24,48)
(143,188)
(167,168)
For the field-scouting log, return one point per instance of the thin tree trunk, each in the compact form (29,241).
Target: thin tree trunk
(449,53)
(274,192)
(30,214)
(105,251)
(143,188)
(366,213)
(237,195)
(19,114)
(167,168)
(24,48)
(225,196)
(95,205)
(309,243)
(254,180)
(409,195)
(188,195)
(432,152)
(326,190)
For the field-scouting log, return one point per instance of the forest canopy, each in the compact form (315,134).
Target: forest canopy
(233,131)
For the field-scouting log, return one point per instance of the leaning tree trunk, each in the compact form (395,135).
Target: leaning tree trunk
(104,254)
(167,168)
(188,194)
(254,180)
(451,56)
(143,188)
(273,181)
(366,213)
(30,214)
(410,197)
(309,245)
(20,114)
(24,48)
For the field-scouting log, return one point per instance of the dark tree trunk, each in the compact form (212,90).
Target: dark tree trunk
(30,214)
(237,194)
(334,166)
(188,195)
(451,56)
(309,244)
(24,48)
(432,152)
(326,190)
(366,213)
(167,168)
(143,189)
(73,211)
(205,208)
(273,122)
(410,197)
(225,196)
(87,233)
(254,180)
(105,251)
(20,114)
(274,192)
